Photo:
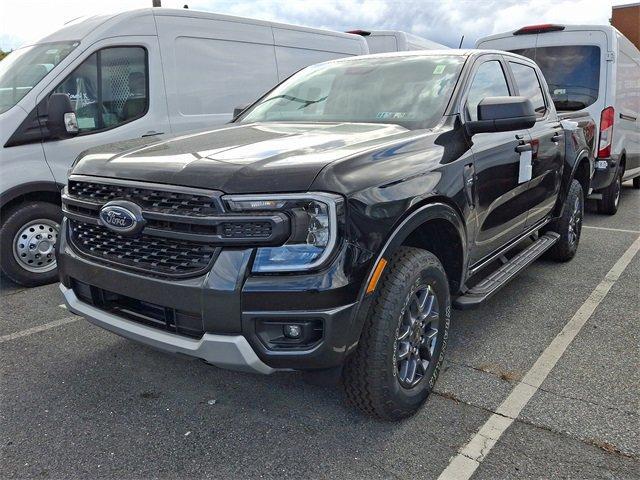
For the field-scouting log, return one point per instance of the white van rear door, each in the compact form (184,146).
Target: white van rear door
(117,90)
(213,66)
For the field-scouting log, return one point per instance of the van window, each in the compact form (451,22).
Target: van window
(489,81)
(23,69)
(109,88)
(529,86)
(572,73)
(215,76)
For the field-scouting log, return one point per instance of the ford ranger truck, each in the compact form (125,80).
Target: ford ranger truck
(334,223)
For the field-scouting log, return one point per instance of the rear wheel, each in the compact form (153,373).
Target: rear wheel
(569,225)
(611,196)
(28,237)
(400,353)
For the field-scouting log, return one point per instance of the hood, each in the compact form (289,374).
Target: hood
(254,158)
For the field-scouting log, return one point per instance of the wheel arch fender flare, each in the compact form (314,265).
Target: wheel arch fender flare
(581,156)
(433,210)
(30,189)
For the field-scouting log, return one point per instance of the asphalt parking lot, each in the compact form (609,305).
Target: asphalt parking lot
(77,401)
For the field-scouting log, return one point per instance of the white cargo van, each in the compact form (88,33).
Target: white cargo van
(130,75)
(382,41)
(592,67)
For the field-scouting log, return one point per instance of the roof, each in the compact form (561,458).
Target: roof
(80,27)
(626,5)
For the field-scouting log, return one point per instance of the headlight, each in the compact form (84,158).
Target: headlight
(314,228)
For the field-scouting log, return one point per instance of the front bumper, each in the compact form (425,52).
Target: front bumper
(225,351)
(228,305)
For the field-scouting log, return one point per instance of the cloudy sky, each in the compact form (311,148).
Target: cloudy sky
(25,21)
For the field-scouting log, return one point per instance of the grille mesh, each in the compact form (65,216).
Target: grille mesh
(176,203)
(155,254)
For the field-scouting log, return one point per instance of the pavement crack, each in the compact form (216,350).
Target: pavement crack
(503,375)
(605,446)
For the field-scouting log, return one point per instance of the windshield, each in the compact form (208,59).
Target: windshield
(22,69)
(572,72)
(411,91)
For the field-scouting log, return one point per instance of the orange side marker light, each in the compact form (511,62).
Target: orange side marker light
(377,273)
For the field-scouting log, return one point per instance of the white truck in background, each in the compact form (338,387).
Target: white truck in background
(130,75)
(381,41)
(597,69)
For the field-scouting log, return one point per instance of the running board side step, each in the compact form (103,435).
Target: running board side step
(499,278)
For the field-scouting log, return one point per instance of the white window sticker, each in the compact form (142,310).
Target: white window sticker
(439,69)
(525,167)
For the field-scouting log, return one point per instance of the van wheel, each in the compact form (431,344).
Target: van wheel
(400,353)
(611,196)
(636,183)
(28,237)
(568,226)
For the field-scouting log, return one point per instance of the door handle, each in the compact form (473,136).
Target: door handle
(556,137)
(151,133)
(525,147)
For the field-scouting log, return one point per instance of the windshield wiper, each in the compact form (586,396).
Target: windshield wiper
(305,102)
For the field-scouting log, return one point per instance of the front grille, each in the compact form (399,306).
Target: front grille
(182,228)
(246,229)
(163,318)
(146,252)
(153,200)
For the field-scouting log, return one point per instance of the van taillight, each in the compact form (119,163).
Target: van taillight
(606,132)
(543,28)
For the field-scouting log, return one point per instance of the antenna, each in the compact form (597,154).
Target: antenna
(461,40)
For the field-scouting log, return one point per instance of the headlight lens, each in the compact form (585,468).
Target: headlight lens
(314,224)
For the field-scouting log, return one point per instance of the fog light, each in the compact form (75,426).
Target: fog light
(292,331)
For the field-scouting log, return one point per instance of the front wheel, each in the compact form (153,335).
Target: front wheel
(400,353)
(569,225)
(28,237)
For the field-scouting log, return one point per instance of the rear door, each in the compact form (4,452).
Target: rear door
(501,204)
(547,141)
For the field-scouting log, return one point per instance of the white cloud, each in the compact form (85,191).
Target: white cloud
(443,21)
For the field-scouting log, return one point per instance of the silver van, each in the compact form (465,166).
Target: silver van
(136,74)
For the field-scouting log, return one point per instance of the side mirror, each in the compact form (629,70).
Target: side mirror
(503,114)
(238,110)
(62,122)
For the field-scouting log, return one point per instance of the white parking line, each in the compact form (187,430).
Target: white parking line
(465,463)
(611,229)
(39,328)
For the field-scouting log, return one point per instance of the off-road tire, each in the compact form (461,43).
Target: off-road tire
(14,220)
(567,245)
(608,205)
(370,375)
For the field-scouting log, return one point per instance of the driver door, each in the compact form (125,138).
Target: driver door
(501,207)
(117,92)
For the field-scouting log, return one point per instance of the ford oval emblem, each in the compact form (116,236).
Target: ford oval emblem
(122,217)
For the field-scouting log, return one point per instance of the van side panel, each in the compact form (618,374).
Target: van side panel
(296,49)
(212,66)
(627,94)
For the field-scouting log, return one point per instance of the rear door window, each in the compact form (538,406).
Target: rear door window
(572,73)
(529,86)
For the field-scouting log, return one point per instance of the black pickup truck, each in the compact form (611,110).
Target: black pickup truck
(335,222)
